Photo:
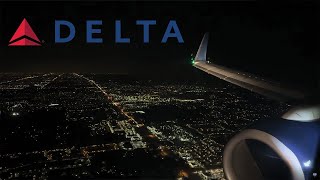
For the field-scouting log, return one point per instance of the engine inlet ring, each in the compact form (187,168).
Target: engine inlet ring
(289,158)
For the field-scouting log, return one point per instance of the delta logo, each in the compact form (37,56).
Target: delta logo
(25,36)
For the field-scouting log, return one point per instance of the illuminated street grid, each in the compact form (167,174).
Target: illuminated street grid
(192,121)
(95,125)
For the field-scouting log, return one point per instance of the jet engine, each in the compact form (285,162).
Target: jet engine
(281,148)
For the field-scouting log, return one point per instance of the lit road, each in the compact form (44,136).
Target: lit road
(108,97)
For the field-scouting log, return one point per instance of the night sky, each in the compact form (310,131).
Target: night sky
(279,41)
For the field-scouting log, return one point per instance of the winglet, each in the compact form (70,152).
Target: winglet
(202,51)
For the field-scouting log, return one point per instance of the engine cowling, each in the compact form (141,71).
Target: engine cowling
(275,149)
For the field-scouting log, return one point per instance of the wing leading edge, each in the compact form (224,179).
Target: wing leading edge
(248,81)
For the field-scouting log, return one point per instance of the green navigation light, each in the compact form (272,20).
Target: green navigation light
(192,60)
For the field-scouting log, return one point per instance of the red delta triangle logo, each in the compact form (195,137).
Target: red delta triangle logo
(24,36)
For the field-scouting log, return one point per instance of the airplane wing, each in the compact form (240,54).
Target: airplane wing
(248,81)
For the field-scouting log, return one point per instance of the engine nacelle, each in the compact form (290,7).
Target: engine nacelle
(275,149)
